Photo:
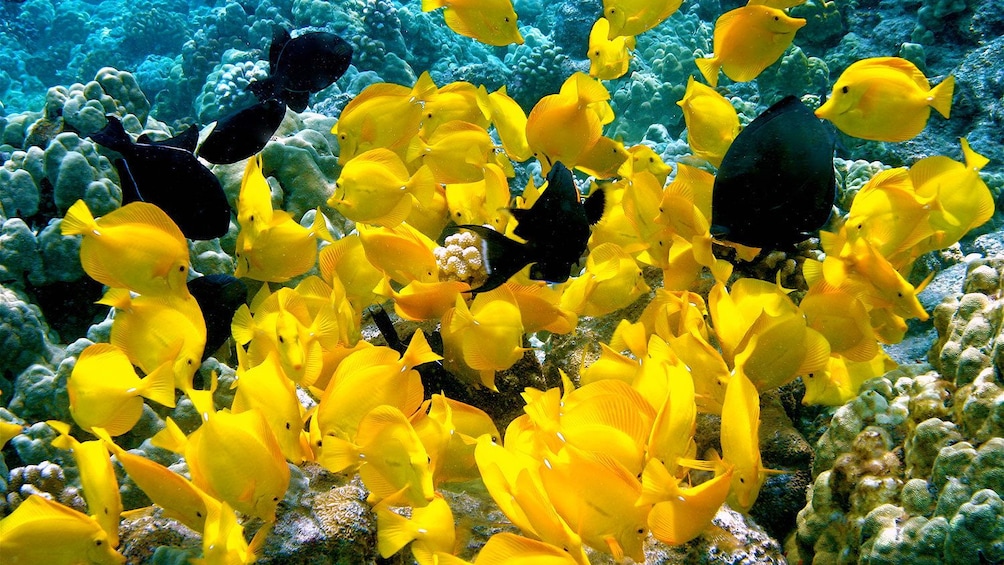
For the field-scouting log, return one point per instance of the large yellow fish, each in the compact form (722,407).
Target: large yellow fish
(712,122)
(511,549)
(382,115)
(510,123)
(43,531)
(741,441)
(885,99)
(486,337)
(391,459)
(266,388)
(154,330)
(345,260)
(611,281)
(136,247)
(282,250)
(430,530)
(489,21)
(375,187)
(449,432)
(457,100)
(236,458)
(748,40)
(608,57)
(97,477)
(632,17)
(562,126)
(105,391)
(456,151)
(964,201)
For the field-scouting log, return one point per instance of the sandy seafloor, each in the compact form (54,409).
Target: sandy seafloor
(908,471)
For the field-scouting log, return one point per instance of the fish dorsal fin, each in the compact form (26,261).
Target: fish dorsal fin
(119,298)
(280,37)
(242,327)
(142,213)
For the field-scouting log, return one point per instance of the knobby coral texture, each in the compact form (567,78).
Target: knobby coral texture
(486,281)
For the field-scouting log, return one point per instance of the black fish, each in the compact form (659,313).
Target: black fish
(301,66)
(186,140)
(241,134)
(556,230)
(171,178)
(776,185)
(219,296)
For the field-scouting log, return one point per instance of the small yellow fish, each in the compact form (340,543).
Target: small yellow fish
(375,187)
(842,379)
(644,158)
(180,499)
(449,430)
(266,388)
(430,530)
(8,431)
(97,477)
(43,531)
(391,459)
(402,253)
(382,115)
(633,17)
(455,152)
(540,306)
(282,250)
(345,260)
(486,337)
(562,126)
(964,201)
(237,459)
(105,391)
(608,57)
(611,281)
(480,202)
(492,22)
(510,123)
(885,99)
(136,247)
(748,40)
(254,201)
(843,321)
(712,122)
(223,540)
(741,441)
(672,432)
(457,100)
(683,512)
(154,330)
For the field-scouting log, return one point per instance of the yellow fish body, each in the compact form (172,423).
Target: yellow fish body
(281,251)
(265,387)
(382,115)
(486,337)
(236,458)
(105,391)
(375,187)
(510,123)
(430,530)
(97,478)
(254,201)
(611,281)
(456,151)
(712,122)
(632,17)
(748,40)
(741,441)
(345,260)
(964,201)
(489,21)
(684,512)
(608,58)
(457,100)
(223,541)
(511,549)
(562,126)
(136,247)
(155,330)
(43,531)
(885,99)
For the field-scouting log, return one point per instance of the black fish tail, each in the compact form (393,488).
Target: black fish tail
(297,101)
(113,136)
(504,257)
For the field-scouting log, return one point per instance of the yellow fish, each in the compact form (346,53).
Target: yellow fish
(43,531)
(449,430)
(223,540)
(608,57)
(741,441)
(345,260)
(266,388)
(237,459)
(154,330)
(672,432)
(136,247)
(180,499)
(429,530)
(510,123)
(254,201)
(402,253)
(712,122)
(611,281)
(486,337)
(8,431)
(282,250)
(633,17)
(480,202)
(683,512)
(539,306)
(97,477)
(644,158)
(457,100)
(562,126)
(492,22)
(375,187)
(511,549)
(842,379)
(606,518)
(455,152)
(964,200)
(382,115)
(748,40)
(391,459)
(105,391)
(885,99)
(843,321)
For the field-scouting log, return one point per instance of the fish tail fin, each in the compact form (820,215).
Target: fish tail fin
(64,440)
(393,531)
(113,135)
(418,351)
(423,185)
(257,542)
(78,220)
(242,326)
(940,96)
(430,5)
(974,160)
(320,227)
(119,298)
(158,386)
(170,438)
(709,69)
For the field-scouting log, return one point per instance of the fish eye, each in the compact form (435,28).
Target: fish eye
(641,531)
(810,375)
(844,89)
(495,439)
(507,19)
(98,542)
(776,18)
(288,426)
(742,480)
(281,340)
(181,269)
(275,499)
(899,294)
(319,443)
(189,362)
(597,52)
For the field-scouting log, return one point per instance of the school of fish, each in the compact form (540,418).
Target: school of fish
(424,176)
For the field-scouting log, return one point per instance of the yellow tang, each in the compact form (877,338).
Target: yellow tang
(748,40)
(608,57)
(632,17)
(712,122)
(457,100)
(382,115)
(741,441)
(562,126)
(136,247)
(510,123)
(510,549)
(611,281)
(282,250)
(684,512)
(43,531)
(345,260)
(965,201)
(105,391)
(489,21)
(223,541)
(456,151)
(885,99)
(430,530)
(265,387)
(486,337)
(375,187)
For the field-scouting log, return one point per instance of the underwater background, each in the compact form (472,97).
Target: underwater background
(902,467)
